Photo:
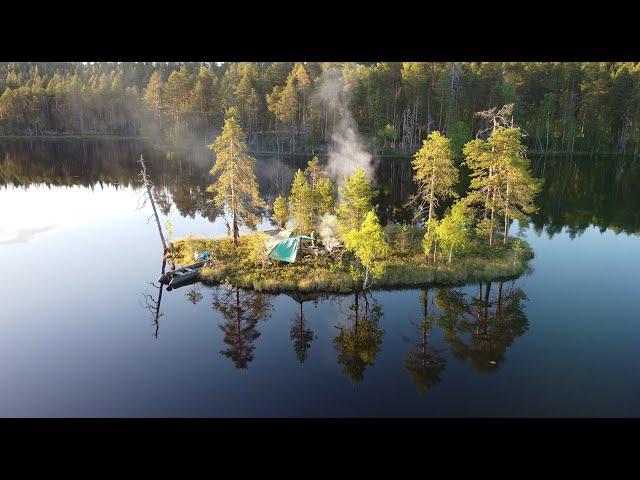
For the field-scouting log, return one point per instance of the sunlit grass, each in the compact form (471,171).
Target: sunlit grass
(324,275)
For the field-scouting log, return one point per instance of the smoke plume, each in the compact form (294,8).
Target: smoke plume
(348,150)
(328,231)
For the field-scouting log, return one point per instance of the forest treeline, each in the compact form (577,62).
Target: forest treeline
(290,107)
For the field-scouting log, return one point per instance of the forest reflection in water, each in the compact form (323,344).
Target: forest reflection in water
(476,326)
(113,344)
(578,191)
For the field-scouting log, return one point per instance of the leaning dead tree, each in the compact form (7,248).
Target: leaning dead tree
(152,303)
(496,118)
(144,179)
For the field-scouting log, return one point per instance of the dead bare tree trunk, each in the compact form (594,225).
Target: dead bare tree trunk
(147,184)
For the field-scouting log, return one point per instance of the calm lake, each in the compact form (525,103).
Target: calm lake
(85,332)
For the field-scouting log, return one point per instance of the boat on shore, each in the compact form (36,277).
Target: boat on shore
(181,276)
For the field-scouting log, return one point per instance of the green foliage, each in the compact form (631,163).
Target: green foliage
(324,197)
(430,239)
(434,173)
(385,136)
(501,181)
(454,229)
(358,347)
(235,187)
(369,245)
(257,249)
(168,225)
(281,211)
(564,106)
(322,190)
(186,250)
(460,134)
(404,239)
(301,200)
(320,274)
(355,201)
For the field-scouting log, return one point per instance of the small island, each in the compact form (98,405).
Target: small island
(340,243)
(325,275)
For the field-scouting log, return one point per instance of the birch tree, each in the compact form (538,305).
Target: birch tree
(370,247)
(453,230)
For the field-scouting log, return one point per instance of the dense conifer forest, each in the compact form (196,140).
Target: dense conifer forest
(294,107)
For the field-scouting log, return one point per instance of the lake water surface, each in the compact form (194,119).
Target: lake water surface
(81,334)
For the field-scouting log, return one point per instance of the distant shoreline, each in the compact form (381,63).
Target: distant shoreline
(72,137)
(283,153)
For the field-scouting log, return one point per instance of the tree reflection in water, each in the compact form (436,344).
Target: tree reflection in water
(482,329)
(152,303)
(300,335)
(359,341)
(425,364)
(194,295)
(241,311)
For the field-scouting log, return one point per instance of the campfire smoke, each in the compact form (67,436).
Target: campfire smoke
(348,150)
(328,231)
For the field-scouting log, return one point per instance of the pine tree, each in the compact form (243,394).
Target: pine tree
(485,183)
(501,179)
(355,201)
(519,187)
(281,211)
(283,103)
(322,190)
(236,187)
(301,200)
(177,95)
(435,174)
(204,97)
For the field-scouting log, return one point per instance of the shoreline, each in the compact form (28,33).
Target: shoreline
(390,155)
(321,275)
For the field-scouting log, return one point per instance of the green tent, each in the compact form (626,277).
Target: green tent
(287,250)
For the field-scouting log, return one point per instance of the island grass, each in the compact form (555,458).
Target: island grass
(323,275)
